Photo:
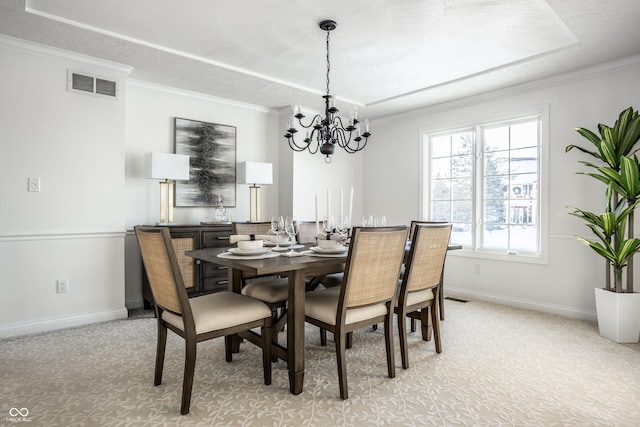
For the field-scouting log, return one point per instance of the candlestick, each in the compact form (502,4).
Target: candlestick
(317,223)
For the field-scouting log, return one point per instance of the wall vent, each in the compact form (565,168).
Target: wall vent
(92,85)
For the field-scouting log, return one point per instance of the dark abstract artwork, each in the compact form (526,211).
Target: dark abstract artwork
(212,163)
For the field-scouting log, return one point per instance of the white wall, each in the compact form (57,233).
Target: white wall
(563,283)
(151,110)
(74,227)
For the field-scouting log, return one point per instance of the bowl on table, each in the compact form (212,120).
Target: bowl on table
(328,244)
(250,244)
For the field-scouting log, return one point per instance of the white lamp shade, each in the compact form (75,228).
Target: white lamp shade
(167,166)
(255,173)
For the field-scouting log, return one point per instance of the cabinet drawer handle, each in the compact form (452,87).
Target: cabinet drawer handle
(222,268)
(223,237)
(223,282)
(198,261)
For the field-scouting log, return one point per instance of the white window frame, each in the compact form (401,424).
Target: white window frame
(476,123)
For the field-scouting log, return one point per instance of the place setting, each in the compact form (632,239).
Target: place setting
(248,249)
(332,242)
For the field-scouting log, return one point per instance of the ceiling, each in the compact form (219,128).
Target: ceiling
(387,56)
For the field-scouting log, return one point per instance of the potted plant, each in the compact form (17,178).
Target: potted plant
(617,306)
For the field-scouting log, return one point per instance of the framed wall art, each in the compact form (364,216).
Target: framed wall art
(211,149)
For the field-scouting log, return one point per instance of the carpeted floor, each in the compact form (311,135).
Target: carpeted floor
(500,367)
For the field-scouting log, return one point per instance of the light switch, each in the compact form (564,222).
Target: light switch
(34,184)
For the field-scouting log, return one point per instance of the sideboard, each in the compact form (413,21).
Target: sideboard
(199,277)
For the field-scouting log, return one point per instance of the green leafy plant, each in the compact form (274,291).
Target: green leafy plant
(615,148)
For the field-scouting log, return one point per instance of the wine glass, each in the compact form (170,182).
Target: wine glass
(381,221)
(328,224)
(291,228)
(344,226)
(367,221)
(277,227)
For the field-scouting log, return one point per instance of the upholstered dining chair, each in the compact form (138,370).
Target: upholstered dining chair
(270,289)
(441,290)
(220,314)
(367,294)
(420,284)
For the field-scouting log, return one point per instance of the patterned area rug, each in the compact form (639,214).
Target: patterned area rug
(500,366)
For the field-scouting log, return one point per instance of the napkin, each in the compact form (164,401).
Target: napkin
(237,237)
(267,237)
(330,236)
(291,254)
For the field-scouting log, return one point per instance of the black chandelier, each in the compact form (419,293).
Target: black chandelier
(329,131)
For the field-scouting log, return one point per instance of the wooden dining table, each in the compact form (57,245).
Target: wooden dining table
(298,270)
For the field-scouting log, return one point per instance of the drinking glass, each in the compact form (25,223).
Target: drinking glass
(328,224)
(344,226)
(291,228)
(367,221)
(381,221)
(277,227)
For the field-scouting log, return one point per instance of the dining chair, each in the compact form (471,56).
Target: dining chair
(367,294)
(201,318)
(272,290)
(414,223)
(418,292)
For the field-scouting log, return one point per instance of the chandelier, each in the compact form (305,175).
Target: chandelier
(328,131)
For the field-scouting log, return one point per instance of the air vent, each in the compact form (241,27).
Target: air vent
(85,83)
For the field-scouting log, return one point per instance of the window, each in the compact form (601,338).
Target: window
(485,180)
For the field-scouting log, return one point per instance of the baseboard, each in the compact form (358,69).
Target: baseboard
(45,325)
(564,311)
(134,303)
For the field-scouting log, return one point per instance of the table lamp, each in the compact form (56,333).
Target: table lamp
(167,167)
(256,174)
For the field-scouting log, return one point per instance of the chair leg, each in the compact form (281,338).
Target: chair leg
(349,339)
(402,334)
(323,337)
(228,348)
(160,350)
(267,332)
(435,319)
(189,369)
(413,324)
(425,320)
(441,297)
(340,338)
(388,340)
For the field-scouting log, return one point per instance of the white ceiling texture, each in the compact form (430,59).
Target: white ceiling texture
(387,56)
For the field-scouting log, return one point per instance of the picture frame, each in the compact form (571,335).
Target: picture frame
(211,148)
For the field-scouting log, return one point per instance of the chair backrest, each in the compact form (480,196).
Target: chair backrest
(251,227)
(425,262)
(416,222)
(373,264)
(162,269)
(307,231)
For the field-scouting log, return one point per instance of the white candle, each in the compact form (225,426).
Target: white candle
(341,209)
(351,205)
(317,223)
(328,204)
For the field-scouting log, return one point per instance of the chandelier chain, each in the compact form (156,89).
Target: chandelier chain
(328,62)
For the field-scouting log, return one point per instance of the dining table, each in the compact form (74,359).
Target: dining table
(298,270)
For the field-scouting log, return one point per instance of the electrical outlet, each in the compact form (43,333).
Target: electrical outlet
(62,286)
(34,184)
(476,268)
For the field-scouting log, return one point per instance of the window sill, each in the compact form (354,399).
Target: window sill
(527,258)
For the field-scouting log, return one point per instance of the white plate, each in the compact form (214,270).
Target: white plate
(249,252)
(228,255)
(336,250)
(282,243)
(312,253)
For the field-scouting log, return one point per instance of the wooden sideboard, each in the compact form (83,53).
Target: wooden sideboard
(199,277)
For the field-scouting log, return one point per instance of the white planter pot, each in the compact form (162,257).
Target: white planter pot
(618,315)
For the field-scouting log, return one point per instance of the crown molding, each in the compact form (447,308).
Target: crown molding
(56,54)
